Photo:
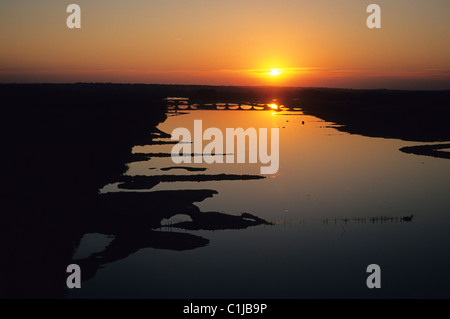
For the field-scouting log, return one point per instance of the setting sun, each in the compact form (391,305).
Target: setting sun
(274,72)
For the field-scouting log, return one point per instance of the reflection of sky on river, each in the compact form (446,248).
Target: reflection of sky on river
(325,176)
(323,172)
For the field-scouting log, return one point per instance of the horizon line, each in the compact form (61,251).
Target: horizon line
(223,86)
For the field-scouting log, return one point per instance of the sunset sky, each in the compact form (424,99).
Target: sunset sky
(232,42)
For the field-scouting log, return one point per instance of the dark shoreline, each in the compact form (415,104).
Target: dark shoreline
(428,150)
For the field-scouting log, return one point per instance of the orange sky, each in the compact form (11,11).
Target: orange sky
(312,43)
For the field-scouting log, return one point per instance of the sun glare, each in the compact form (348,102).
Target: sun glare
(274,72)
(273,106)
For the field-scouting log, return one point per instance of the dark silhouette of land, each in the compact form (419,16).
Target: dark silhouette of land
(218,221)
(63,142)
(422,116)
(147,182)
(187,168)
(138,157)
(428,150)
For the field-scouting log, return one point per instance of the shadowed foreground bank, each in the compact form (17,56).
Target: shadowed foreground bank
(61,144)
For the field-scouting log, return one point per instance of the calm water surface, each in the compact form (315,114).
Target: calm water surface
(336,204)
